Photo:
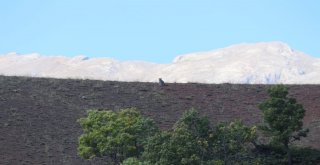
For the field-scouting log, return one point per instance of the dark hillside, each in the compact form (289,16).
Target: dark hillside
(38,115)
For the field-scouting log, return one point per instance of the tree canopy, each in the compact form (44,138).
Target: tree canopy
(194,141)
(118,135)
(128,138)
(283,117)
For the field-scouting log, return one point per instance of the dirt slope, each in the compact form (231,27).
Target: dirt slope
(38,115)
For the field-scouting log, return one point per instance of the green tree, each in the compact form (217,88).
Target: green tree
(193,141)
(134,161)
(283,118)
(232,142)
(186,144)
(118,135)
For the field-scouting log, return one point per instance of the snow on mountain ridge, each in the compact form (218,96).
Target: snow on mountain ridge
(273,48)
(271,62)
(262,63)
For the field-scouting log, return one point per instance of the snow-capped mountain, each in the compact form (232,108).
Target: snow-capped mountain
(258,63)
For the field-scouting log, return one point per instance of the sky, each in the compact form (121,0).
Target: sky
(154,30)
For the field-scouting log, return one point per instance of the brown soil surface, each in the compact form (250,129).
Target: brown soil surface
(38,116)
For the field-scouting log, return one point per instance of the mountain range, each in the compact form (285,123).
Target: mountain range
(249,63)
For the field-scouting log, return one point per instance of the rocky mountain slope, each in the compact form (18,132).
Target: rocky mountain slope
(259,63)
(38,116)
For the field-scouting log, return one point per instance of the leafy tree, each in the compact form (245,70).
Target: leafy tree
(232,142)
(187,143)
(283,118)
(134,161)
(193,141)
(118,135)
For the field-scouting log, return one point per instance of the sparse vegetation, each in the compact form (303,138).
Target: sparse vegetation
(43,129)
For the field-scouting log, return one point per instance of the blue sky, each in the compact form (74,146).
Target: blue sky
(154,30)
